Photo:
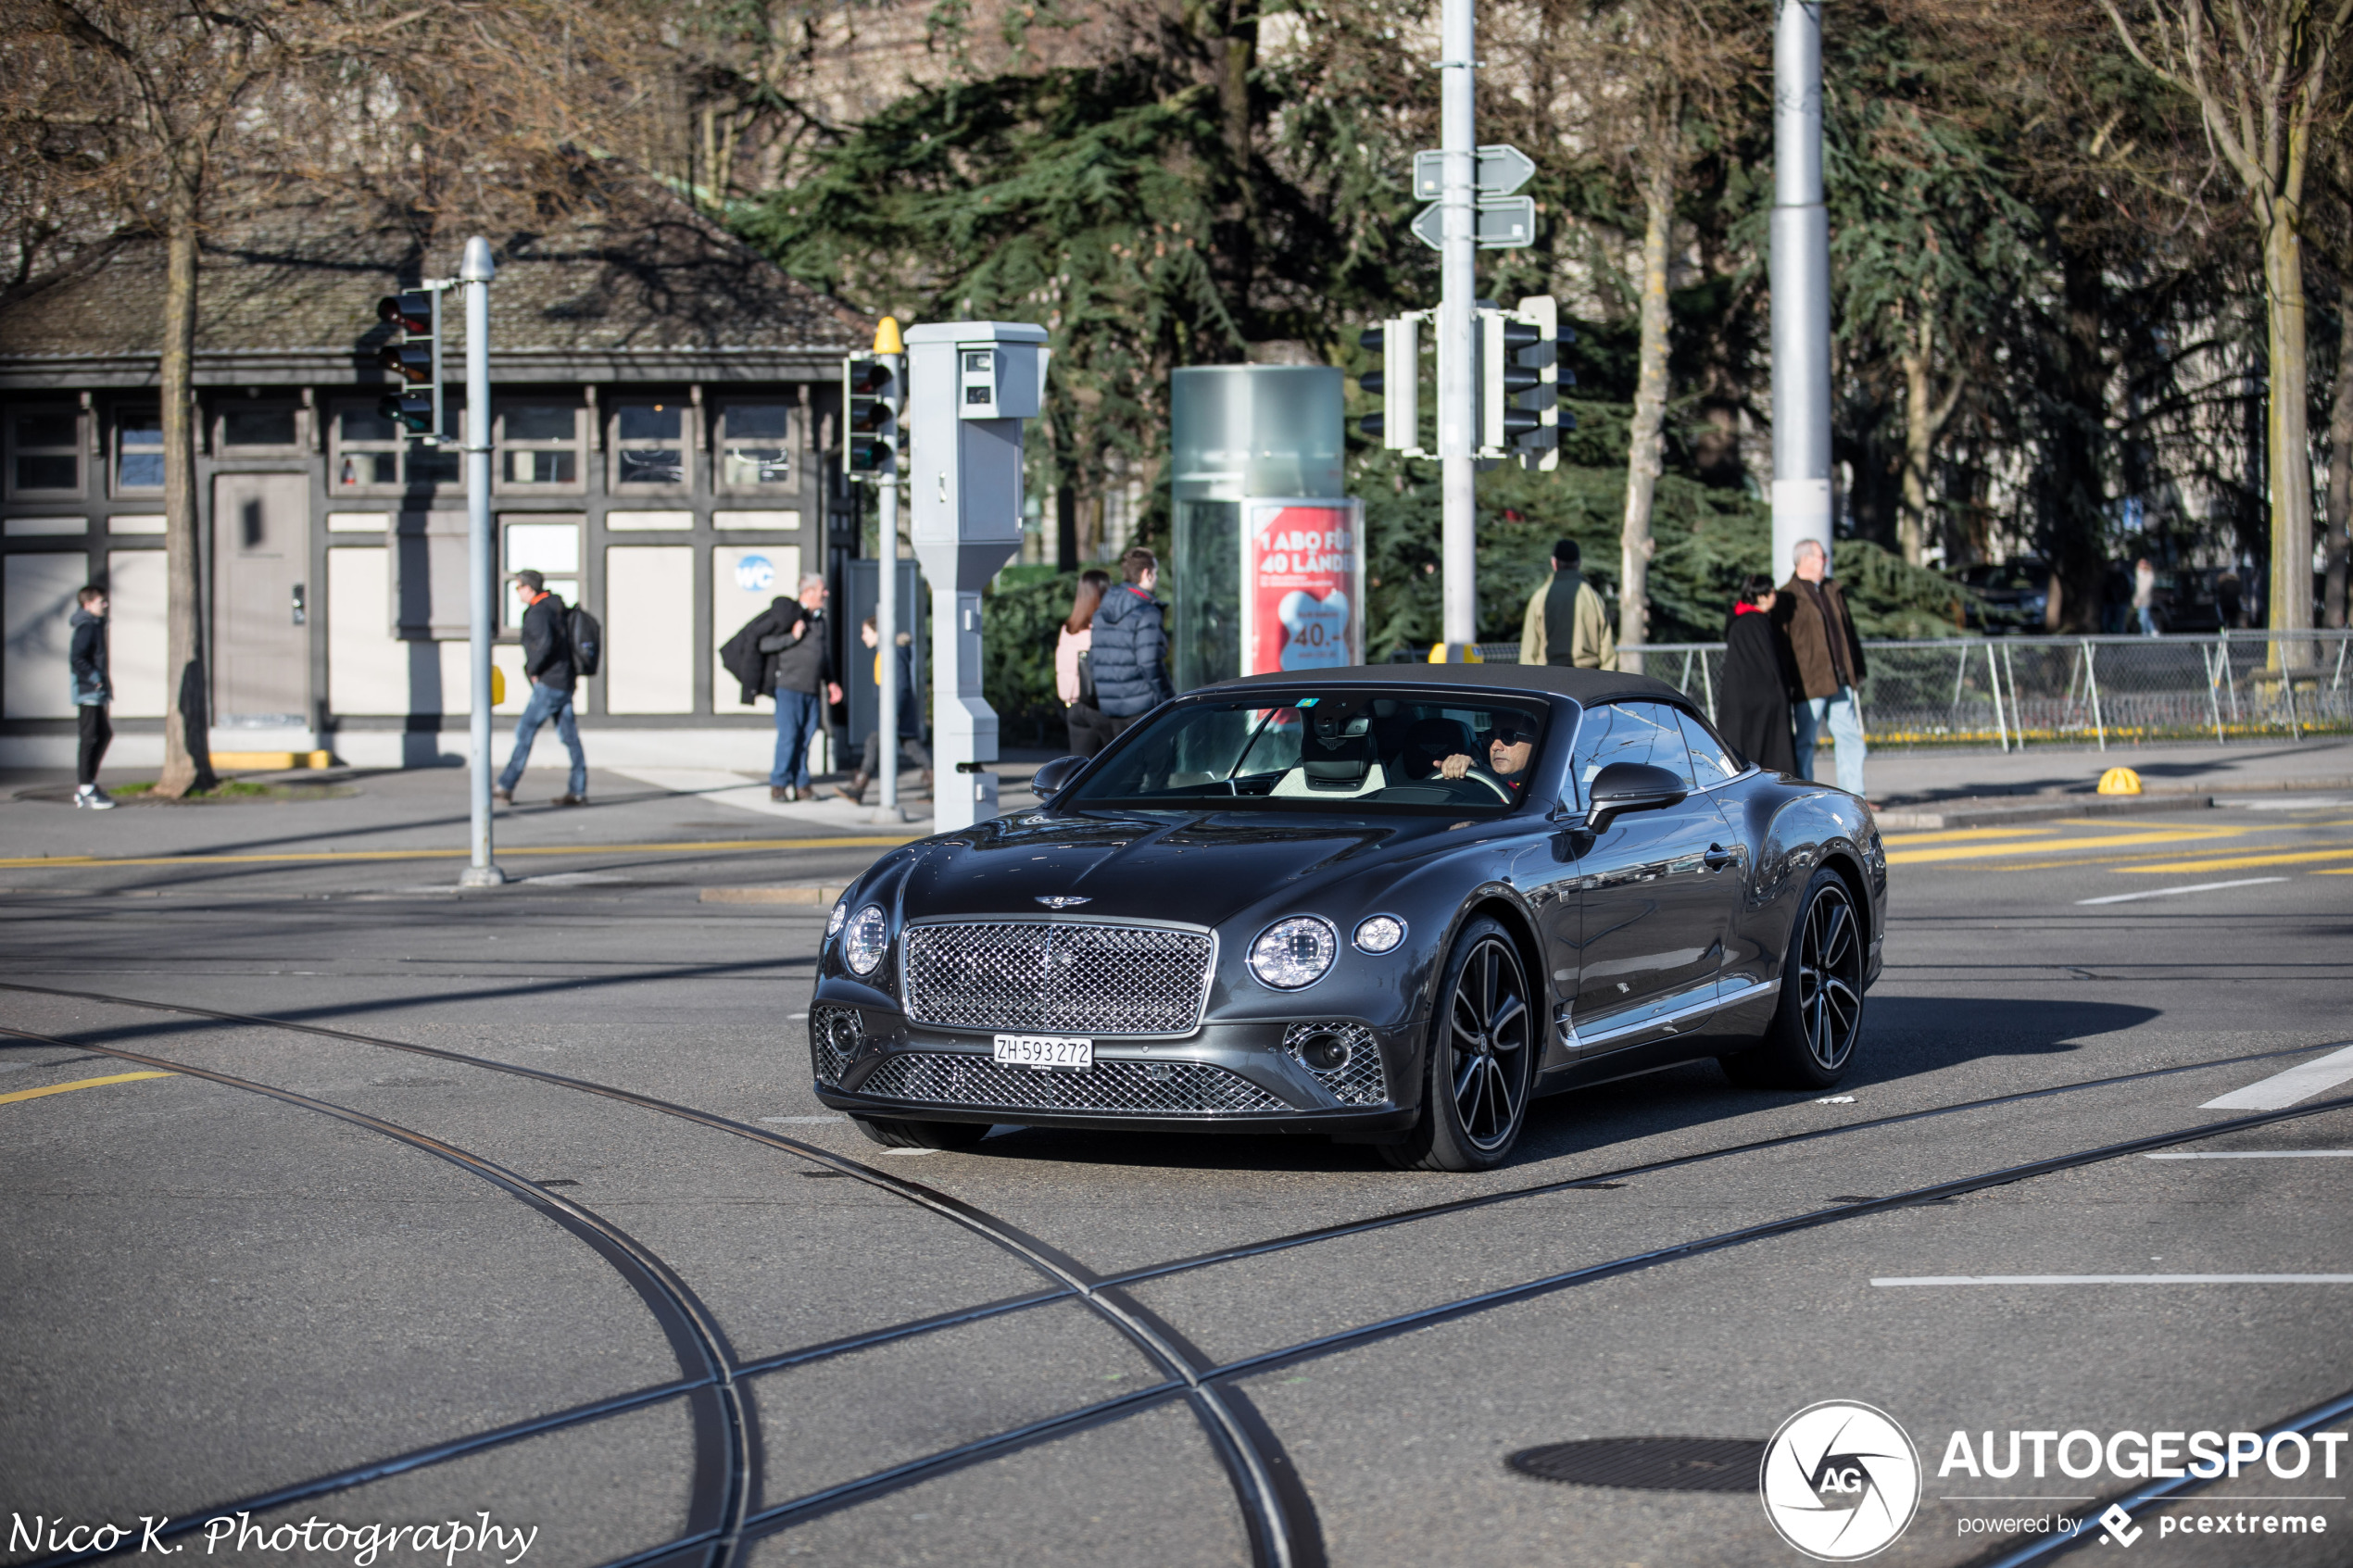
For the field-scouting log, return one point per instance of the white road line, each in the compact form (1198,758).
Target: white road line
(2169,892)
(2262,1154)
(2115,1279)
(2283,1090)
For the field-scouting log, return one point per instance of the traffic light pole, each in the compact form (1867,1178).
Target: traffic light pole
(888,348)
(1458,285)
(1801,283)
(475,274)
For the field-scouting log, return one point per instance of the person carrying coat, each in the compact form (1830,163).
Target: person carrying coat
(785,651)
(1565,624)
(93,691)
(1760,683)
(1130,651)
(1810,612)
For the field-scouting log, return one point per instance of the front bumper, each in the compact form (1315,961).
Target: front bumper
(1225,1076)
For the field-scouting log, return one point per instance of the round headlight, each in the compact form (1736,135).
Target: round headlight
(1379,934)
(868,934)
(1294,952)
(840,913)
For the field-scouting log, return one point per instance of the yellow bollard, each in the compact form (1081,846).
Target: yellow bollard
(2120,781)
(1455,653)
(497,685)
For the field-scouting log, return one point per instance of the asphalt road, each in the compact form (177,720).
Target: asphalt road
(591,1259)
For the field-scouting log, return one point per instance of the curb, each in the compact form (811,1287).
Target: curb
(1975,814)
(815,896)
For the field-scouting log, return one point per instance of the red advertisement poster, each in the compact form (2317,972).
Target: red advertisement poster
(1302,586)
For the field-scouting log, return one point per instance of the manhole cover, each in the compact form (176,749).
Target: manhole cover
(1651,1464)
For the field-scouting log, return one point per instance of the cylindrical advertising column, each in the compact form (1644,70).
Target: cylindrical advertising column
(1259,475)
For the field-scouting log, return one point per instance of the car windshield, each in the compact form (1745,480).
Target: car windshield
(1350,750)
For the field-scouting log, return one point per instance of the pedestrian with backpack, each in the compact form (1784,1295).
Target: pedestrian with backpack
(554,667)
(92,690)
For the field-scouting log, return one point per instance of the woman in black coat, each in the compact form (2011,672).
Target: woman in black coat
(1759,677)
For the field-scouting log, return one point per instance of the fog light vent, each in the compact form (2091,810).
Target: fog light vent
(835,1035)
(1343,1058)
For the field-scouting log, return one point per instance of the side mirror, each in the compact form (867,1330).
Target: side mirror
(1055,775)
(1630,786)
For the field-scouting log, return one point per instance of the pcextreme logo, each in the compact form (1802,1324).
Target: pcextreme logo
(1841,1480)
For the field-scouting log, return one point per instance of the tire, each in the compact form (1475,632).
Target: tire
(1480,1062)
(1819,1018)
(893,1134)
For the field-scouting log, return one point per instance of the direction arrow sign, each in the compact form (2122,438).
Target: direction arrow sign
(1502,225)
(1500,169)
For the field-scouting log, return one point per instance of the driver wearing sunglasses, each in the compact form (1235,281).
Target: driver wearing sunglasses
(1508,749)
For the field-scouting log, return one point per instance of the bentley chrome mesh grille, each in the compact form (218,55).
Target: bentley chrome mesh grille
(1356,1078)
(833,1036)
(1057,977)
(1140,1088)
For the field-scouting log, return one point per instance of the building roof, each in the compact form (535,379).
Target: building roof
(636,285)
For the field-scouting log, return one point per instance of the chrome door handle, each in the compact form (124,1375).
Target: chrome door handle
(1717,857)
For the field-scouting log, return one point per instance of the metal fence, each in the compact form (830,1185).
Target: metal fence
(2009,691)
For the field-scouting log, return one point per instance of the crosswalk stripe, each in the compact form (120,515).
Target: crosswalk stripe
(2283,1090)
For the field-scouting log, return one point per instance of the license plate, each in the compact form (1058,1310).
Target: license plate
(1045,1052)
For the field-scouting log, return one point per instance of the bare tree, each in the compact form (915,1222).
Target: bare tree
(2258,70)
(142,113)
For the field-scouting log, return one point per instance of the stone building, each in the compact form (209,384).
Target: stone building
(664,413)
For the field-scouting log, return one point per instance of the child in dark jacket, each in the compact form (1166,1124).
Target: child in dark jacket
(86,660)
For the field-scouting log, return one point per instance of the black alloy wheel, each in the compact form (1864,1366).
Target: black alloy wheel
(1481,1058)
(1818,1017)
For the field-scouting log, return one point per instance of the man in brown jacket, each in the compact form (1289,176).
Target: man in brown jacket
(1810,612)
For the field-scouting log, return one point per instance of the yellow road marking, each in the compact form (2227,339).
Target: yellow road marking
(80,1084)
(2232,862)
(729,845)
(1960,836)
(2041,845)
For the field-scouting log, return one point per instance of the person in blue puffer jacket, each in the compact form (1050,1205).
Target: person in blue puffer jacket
(1129,656)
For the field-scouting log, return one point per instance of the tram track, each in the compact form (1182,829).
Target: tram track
(1236,1436)
(1275,1505)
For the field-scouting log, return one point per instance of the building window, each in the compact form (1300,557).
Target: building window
(245,427)
(365,454)
(539,446)
(138,452)
(755,448)
(44,453)
(649,446)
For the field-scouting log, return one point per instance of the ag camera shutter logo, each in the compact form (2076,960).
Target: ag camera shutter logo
(1840,1481)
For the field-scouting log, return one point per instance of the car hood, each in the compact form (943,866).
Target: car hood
(1195,869)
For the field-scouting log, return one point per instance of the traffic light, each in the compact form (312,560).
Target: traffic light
(871,394)
(415,359)
(1397,425)
(1519,383)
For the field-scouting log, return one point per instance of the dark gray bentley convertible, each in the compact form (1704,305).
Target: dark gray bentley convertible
(1391,904)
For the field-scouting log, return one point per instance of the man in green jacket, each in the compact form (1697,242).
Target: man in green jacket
(1565,624)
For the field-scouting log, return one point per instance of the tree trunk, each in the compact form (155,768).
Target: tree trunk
(1635,544)
(2289,444)
(2076,504)
(2335,542)
(187,747)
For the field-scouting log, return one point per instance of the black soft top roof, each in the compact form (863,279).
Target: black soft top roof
(1584,686)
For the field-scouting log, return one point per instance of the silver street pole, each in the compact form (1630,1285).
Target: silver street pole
(1458,479)
(475,272)
(888,346)
(1801,282)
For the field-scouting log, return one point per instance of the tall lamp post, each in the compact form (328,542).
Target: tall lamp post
(474,273)
(1801,280)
